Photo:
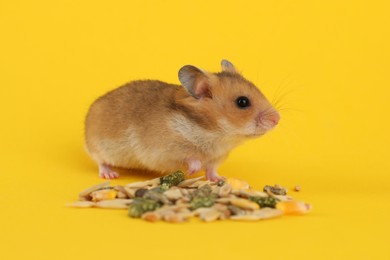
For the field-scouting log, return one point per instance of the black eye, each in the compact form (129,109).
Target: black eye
(243,102)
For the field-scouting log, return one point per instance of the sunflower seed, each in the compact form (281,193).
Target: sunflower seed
(114,204)
(208,214)
(188,182)
(225,190)
(244,204)
(173,193)
(264,213)
(81,204)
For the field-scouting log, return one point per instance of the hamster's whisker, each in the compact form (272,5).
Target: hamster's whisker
(267,111)
(284,109)
(285,106)
(283,95)
(277,90)
(283,84)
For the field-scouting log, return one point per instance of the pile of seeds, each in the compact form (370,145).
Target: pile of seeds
(174,199)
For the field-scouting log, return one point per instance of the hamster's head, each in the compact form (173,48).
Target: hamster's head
(236,105)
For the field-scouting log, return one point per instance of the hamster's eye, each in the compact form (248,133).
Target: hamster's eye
(243,102)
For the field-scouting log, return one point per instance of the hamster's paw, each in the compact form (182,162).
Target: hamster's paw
(212,175)
(194,166)
(106,172)
(109,175)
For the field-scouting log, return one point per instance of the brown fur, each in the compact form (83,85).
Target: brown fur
(159,126)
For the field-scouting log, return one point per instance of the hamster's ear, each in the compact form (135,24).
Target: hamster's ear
(228,66)
(196,81)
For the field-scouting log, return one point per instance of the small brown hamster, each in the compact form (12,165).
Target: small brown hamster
(162,127)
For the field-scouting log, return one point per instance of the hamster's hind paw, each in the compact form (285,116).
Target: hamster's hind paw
(106,172)
(109,175)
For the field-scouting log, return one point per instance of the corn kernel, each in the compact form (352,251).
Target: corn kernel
(237,184)
(293,207)
(107,194)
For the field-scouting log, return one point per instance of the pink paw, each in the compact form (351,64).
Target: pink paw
(212,175)
(215,178)
(106,172)
(194,166)
(109,175)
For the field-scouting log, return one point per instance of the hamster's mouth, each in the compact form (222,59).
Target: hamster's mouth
(257,133)
(265,127)
(261,130)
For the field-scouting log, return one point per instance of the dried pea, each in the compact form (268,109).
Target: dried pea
(202,202)
(263,202)
(171,180)
(141,205)
(276,189)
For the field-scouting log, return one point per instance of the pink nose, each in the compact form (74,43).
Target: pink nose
(271,119)
(274,118)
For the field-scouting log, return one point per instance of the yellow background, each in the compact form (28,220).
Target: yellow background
(327,60)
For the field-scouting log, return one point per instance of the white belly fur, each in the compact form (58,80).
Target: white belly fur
(186,140)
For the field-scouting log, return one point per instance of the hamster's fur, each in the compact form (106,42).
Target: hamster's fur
(164,127)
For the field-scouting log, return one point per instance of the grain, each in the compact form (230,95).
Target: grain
(174,200)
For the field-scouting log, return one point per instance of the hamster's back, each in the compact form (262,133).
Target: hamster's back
(132,104)
(134,101)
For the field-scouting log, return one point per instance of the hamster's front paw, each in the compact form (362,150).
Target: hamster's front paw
(194,166)
(212,175)
(106,172)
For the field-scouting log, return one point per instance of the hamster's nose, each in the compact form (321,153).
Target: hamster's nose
(270,119)
(274,118)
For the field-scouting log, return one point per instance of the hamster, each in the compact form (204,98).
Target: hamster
(162,127)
